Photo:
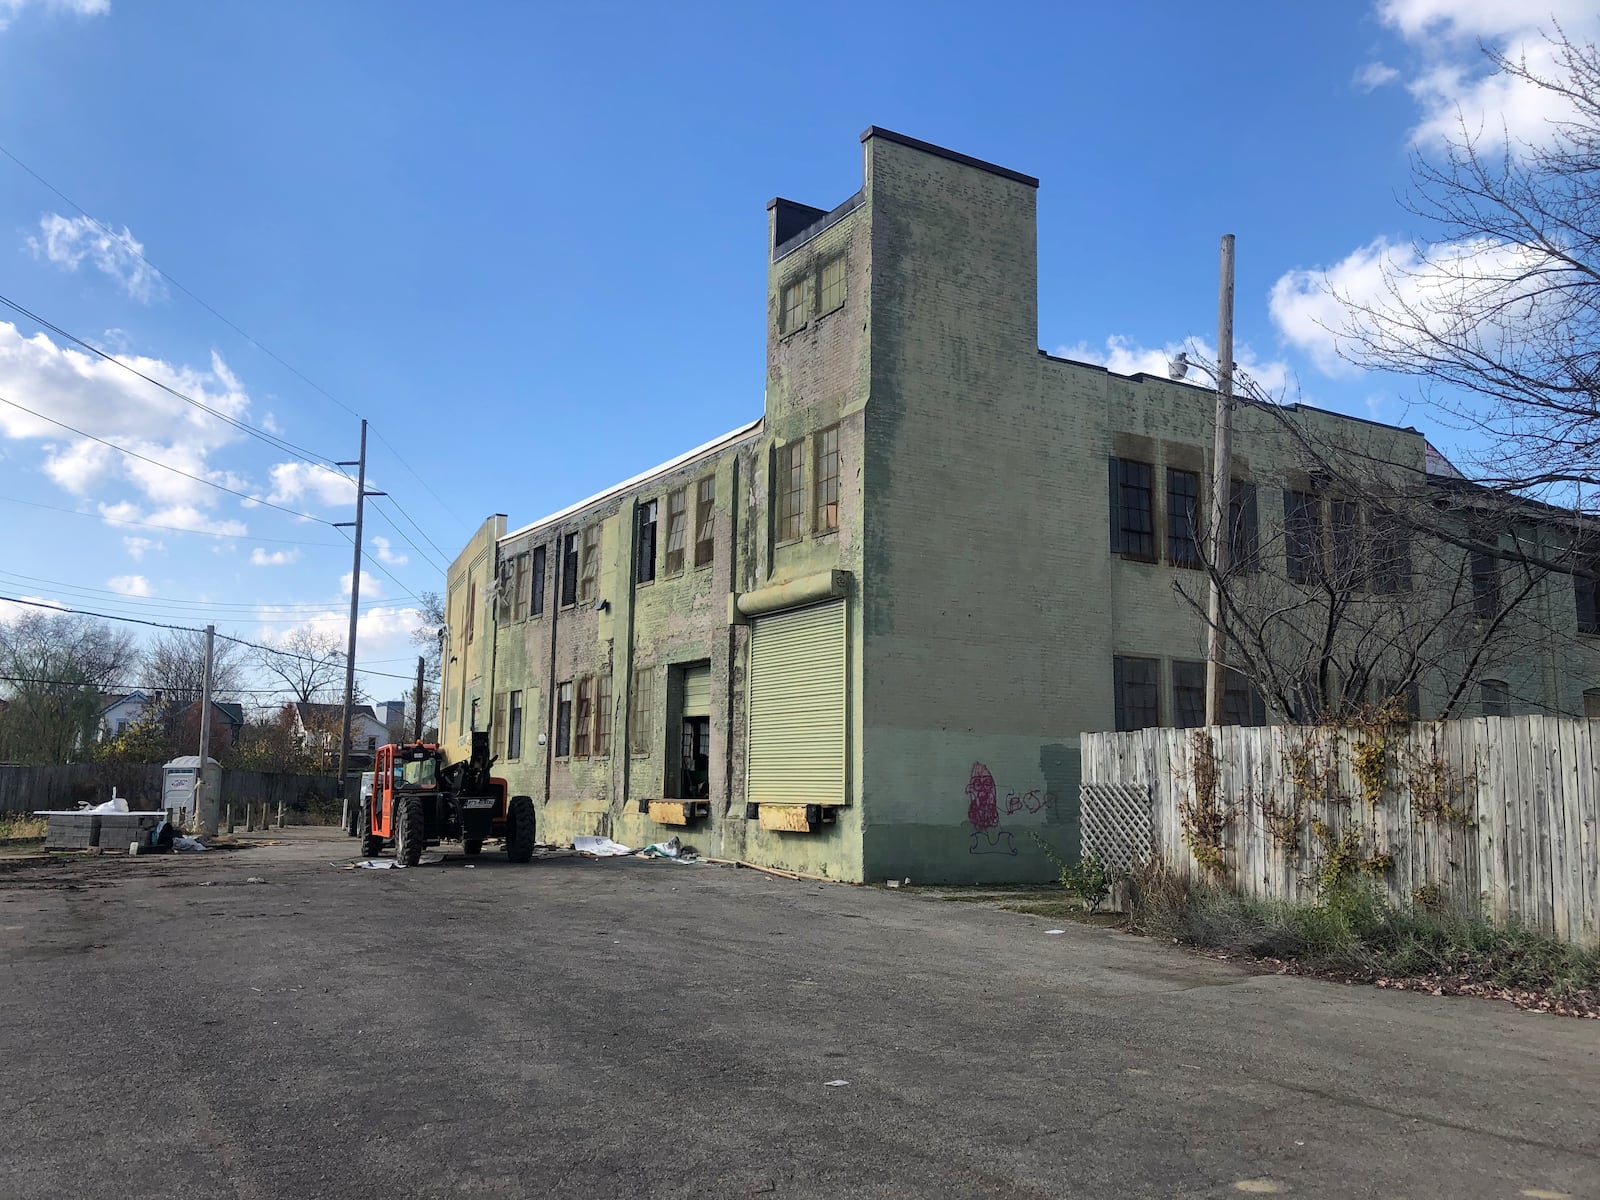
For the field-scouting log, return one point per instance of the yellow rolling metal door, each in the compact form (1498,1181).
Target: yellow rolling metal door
(798,707)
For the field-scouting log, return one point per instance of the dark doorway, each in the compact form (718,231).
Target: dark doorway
(695,758)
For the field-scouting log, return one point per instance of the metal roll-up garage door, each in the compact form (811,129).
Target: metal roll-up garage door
(797,707)
(697,691)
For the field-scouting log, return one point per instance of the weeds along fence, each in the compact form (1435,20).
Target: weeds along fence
(305,798)
(1495,817)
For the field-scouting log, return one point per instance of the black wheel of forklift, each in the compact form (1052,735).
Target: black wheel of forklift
(471,845)
(371,845)
(352,818)
(408,832)
(519,829)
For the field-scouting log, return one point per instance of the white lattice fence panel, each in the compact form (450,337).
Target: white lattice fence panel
(1116,823)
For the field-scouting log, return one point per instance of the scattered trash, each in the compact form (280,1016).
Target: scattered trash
(375,864)
(187,844)
(671,849)
(255,879)
(114,805)
(600,847)
(894,883)
(470,866)
(1055,931)
(207,883)
(837,1083)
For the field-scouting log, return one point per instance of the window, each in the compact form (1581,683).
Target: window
(519,588)
(569,570)
(1183,517)
(472,609)
(372,745)
(677,530)
(643,710)
(563,720)
(831,293)
(1132,510)
(1189,694)
(788,491)
(536,589)
(514,728)
(589,569)
(1391,555)
(1134,681)
(1241,702)
(581,719)
(602,713)
(705,524)
(1302,529)
(792,304)
(1244,544)
(1587,591)
(1348,572)
(122,728)
(1494,698)
(1485,584)
(825,517)
(644,569)
(1591,704)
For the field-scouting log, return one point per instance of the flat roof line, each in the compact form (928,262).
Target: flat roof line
(889,135)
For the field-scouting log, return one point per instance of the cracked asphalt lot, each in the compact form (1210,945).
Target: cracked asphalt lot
(633,1028)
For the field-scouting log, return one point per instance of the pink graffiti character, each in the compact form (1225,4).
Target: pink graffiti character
(982,809)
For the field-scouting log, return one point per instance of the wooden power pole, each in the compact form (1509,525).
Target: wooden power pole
(1221,485)
(355,600)
(416,717)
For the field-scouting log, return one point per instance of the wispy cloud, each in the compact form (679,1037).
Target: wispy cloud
(83,8)
(1374,75)
(275,558)
(386,553)
(131,585)
(69,242)
(1123,356)
(138,547)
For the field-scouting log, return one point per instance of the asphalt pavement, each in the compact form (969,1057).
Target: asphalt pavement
(634,1028)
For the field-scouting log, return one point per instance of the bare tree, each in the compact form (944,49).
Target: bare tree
(174,665)
(58,670)
(426,635)
(308,661)
(1500,314)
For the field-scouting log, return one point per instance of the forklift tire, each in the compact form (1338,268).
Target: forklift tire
(471,845)
(519,829)
(371,845)
(352,819)
(408,832)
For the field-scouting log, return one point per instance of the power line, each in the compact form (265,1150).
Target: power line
(428,558)
(202,606)
(252,537)
(165,466)
(387,573)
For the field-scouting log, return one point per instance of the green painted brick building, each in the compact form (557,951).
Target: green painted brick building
(860,636)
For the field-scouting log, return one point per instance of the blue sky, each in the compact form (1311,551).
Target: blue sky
(527,241)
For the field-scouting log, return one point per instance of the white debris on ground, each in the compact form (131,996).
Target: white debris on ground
(600,847)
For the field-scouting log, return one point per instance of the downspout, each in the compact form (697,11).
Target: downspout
(626,745)
(494,648)
(733,586)
(550,681)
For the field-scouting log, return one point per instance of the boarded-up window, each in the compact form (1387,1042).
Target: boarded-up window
(1183,518)
(798,707)
(536,588)
(641,714)
(826,456)
(788,490)
(602,713)
(677,530)
(519,588)
(569,570)
(581,718)
(1132,509)
(705,513)
(1138,704)
(497,727)
(589,569)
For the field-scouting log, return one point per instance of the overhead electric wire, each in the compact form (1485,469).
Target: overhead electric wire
(176,602)
(165,466)
(403,536)
(250,537)
(373,562)
(262,346)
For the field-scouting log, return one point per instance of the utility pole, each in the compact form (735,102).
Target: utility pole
(205,805)
(416,719)
(1221,485)
(355,600)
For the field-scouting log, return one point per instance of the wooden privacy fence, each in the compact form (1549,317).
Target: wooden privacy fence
(1494,816)
(24,789)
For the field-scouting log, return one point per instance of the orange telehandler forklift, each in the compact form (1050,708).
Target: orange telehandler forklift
(419,800)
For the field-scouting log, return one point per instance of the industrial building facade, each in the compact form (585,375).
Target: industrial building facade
(860,636)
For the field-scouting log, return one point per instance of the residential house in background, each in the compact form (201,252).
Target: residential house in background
(861,635)
(122,711)
(319,726)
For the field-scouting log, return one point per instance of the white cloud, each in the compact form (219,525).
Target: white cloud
(69,242)
(131,585)
(177,516)
(1122,356)
(78,465)
(274,558)
(370,587)
(138,547)
(292,481)
(385,552)
(382,633)
(11,612)
(82,8)
(1374,75)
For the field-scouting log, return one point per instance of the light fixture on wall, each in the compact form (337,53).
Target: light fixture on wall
(602,606)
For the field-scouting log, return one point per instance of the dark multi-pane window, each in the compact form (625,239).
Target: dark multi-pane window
(1183,518)
(1586,589)
(1241,702)
(1391,555)
(1302,527)
(602,713)
(1189,694)
(1244,543)
(642,712)
(826,456)
(519,587)
(677,530)
(788,490)
(569,570)
(1348,570)
(514,728)
(536,588)
(645,566)
(1136,689)
(1132,509)
(589,568)
(1485,583)
(564,720)
(705,523)
(581,718)
(1495,698)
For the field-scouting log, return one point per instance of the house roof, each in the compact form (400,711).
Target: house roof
(313,711)
(113,701)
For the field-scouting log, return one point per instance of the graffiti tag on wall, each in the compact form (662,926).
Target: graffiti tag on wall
(985,806)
